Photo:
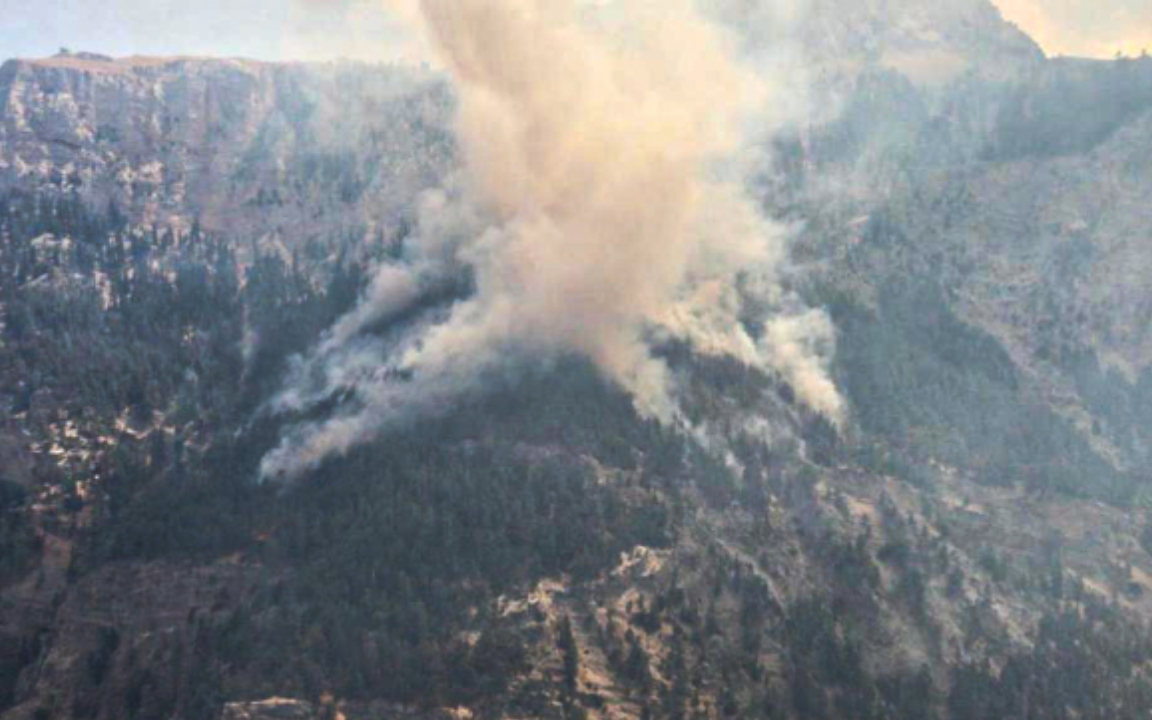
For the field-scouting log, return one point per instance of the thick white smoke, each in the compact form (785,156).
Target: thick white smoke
(601,204)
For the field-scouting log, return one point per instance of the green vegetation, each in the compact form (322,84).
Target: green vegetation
(933,388)
(379,575)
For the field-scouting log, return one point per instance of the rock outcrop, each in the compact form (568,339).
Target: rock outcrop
(254,149)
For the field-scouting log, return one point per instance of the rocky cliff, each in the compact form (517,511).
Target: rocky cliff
(264,150)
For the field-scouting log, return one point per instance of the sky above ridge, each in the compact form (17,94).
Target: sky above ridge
(362,30)
(260,29)
(1088,28)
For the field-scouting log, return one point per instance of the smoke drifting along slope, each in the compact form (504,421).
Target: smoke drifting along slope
(600,208)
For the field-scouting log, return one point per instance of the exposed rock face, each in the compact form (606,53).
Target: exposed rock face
(1034,225)
(930,41)
(1070,236)
(270,709)
(296,151)
(257,149)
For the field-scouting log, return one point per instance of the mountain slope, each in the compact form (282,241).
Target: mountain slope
(288,151)
(973,544)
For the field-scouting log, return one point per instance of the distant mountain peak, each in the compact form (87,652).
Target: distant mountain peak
(929,41)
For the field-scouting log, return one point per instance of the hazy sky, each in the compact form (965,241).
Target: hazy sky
(320,29)
(264,29)
(1095,28)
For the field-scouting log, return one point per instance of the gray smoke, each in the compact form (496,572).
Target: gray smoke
(601,206)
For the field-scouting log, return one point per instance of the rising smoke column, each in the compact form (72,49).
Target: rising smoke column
(600,205)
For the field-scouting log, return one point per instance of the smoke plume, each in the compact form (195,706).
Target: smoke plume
(600,208)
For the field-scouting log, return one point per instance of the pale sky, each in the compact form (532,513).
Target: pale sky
(361,29)
(1091,28)
(261,29)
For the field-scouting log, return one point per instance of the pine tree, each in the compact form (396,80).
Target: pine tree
(571,655)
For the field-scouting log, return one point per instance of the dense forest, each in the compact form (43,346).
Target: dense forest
(135,370)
